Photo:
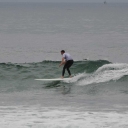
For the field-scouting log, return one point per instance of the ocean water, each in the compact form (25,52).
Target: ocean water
(31,38)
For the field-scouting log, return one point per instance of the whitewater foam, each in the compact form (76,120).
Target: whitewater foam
(41,117)
(105,73)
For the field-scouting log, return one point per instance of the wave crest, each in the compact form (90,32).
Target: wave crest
(106,73)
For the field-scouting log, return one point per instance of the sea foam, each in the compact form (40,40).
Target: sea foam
(106,73)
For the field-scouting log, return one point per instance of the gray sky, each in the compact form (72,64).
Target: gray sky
(63,1)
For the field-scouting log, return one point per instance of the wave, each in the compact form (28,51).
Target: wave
(99,77)
(85,72)
(105,73)
(78,67)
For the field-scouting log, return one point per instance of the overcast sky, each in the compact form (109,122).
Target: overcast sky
(63,1)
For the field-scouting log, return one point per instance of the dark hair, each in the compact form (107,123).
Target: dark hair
(63,51)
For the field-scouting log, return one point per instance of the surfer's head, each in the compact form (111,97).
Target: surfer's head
(62,52)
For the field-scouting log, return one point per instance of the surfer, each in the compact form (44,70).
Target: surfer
(67,61)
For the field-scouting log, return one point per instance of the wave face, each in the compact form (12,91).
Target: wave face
(20,77)
(105,73)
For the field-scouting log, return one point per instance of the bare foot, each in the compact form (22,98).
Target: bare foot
(62,77)
(70,76)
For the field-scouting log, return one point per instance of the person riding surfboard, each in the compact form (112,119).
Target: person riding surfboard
(67,61)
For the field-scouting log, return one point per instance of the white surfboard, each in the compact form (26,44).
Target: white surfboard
(55,79)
